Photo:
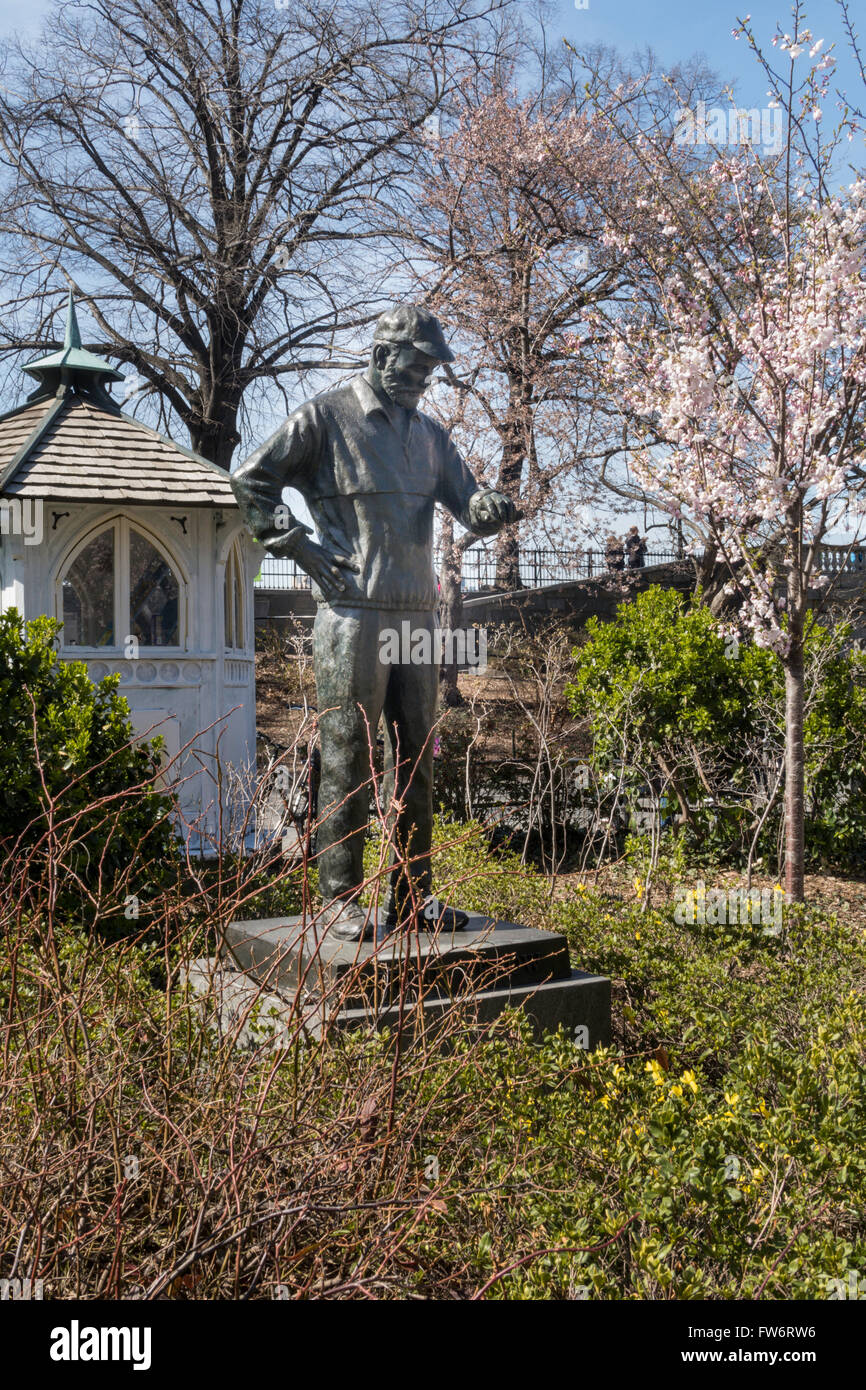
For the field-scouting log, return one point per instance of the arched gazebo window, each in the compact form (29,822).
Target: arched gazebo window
(234,599)
(120,584)
(88,595)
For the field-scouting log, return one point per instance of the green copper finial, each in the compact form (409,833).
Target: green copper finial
(73,365)
(73,336)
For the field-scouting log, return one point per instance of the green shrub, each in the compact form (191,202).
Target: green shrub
(674,702)
(715,1150)
(76,789)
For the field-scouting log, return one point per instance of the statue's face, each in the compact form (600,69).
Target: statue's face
(406,374)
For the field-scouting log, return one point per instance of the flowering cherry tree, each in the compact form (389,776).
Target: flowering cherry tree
(745,396)
(510,235)
(505,234)
(506,227)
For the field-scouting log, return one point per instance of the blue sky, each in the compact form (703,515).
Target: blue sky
(677,29)
(21,18)
(674,29)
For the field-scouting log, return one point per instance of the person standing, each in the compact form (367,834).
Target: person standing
(635,545)
(614,554)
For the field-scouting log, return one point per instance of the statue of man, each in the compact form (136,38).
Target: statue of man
(371,467)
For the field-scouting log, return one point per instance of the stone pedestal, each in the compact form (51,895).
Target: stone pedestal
(418,982)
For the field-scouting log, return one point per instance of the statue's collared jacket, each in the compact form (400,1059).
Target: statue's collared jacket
(370,494)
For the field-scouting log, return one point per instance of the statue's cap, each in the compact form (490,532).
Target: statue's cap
(411,323)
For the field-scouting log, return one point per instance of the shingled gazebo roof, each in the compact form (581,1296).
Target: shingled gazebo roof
(70,442)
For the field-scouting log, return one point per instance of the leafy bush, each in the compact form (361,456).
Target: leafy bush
(715,1150)
(678,707)
(835,729)
(72,776)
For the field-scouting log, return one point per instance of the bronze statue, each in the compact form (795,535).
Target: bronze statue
(371,468)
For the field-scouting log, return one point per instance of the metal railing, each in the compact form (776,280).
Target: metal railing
(540,567)
(281,573)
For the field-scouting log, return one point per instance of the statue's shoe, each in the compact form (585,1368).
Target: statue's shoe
(434,915)
(350,922)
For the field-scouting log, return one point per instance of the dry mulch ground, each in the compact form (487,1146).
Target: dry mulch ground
(281,685)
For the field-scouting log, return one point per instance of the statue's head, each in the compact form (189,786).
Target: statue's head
(408,345)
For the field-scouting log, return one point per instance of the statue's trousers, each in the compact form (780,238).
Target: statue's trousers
(355,687)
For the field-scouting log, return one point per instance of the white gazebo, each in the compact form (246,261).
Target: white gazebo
(136,545)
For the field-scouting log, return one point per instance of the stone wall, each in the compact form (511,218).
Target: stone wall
(579,599)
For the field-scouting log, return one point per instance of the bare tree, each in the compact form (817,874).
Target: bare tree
(208,174)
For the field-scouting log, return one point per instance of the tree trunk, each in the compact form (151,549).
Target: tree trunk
(794,780)
(214,432)
(795,753)
(508,560)
(709,575)
(450,609)
(508,541)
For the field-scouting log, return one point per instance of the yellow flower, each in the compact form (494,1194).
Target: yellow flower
(690,1080)
(638,888)
(676,1090)
(655,1070)
(732,1100)
(605,1101)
